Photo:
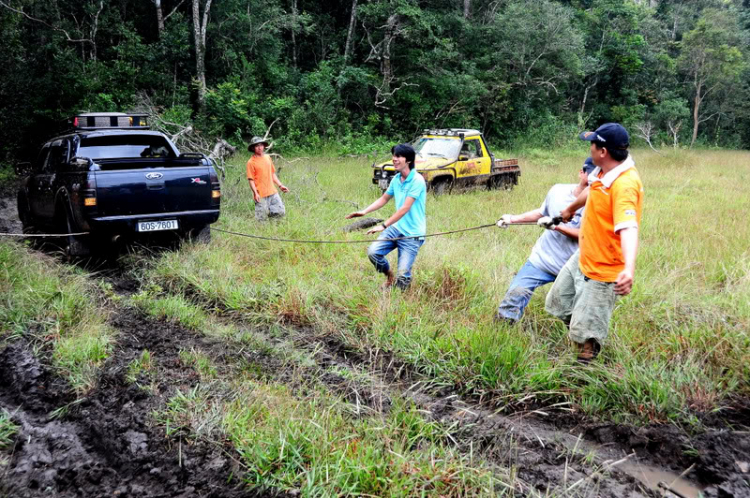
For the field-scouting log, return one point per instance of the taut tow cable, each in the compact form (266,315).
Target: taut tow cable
(369,241)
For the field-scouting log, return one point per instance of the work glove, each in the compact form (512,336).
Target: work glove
(504,221)
(546,222)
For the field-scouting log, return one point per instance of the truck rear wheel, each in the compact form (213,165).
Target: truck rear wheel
(504,182)
(200,235)
(74,246)
(23,213)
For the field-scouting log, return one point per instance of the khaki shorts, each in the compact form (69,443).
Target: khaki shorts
(585,305)
(269,206)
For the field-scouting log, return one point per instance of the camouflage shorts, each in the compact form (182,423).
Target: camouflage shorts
(584,304)
(269,206)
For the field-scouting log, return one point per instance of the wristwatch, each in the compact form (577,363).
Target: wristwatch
(384,226)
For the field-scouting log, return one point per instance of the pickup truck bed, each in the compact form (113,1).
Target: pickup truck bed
(79,184)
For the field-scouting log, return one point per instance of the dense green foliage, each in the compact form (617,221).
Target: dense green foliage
(527,72)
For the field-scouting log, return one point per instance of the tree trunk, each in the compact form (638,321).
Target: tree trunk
(199,34)
(696,111)
(467,8)
(350,34)
(159,16)
(294,34)
(385,62)
(95,29)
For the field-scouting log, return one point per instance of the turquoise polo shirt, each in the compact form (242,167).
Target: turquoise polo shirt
(414,222)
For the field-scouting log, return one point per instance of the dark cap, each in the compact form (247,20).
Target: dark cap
(588,165)
(612,135)
(255,141)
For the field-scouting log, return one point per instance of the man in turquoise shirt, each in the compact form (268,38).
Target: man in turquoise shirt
(410,191)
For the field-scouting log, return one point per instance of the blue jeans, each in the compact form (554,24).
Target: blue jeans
(528,278)
(407,253)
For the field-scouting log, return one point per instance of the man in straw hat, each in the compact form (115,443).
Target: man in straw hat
(261,174)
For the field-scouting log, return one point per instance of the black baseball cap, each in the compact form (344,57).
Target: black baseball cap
(612,135)
(588,165)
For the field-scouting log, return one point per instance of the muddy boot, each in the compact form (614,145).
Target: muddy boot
(588,350)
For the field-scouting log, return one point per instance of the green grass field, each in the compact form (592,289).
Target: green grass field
(678,346)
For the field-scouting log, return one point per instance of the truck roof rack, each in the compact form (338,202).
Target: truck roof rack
(449,132)
(109,121)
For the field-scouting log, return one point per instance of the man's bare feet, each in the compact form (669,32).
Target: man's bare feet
(390,279)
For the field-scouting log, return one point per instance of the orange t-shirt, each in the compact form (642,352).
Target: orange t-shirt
(260,169)
(615,202)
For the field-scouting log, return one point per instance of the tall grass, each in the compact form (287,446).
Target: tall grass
(56,306)
(313,445)
(678,343)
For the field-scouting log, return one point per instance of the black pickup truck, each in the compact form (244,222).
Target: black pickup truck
(111,176)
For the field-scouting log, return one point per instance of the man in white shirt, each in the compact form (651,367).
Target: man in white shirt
(551,251)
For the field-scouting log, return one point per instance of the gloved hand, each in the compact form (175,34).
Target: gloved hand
(546,222)
(504,221)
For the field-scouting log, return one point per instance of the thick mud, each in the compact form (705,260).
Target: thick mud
(557,449)
(107,443)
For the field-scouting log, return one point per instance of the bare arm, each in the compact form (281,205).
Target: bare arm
(408,202)
(578,203)
(527,217)
(629,245)
(279,184)
(400,213)
(567,231)
(256,195)
(382,201)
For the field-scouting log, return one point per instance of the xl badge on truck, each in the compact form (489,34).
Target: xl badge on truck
(153,176)
(199,181)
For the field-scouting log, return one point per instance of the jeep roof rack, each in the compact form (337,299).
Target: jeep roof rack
(109,121)
(449,132)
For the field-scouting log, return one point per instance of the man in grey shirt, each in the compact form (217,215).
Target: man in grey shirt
(551,251)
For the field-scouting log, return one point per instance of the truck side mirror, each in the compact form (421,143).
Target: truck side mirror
(80,162)
(23,169)
(463,157)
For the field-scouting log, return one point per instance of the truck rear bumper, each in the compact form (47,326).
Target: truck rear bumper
(127,223)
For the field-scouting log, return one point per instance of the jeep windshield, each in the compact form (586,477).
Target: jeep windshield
(437,147)
(126,147)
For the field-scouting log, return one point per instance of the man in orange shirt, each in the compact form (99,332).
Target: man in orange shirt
(261,174)
(584,293)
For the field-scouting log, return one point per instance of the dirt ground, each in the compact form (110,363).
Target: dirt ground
(107,443)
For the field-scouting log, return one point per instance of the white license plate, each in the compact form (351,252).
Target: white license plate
(155,226)
(383,183)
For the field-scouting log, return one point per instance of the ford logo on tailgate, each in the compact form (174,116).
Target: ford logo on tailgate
(153,176)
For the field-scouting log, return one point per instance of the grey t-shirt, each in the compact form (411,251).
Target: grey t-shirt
(553,249)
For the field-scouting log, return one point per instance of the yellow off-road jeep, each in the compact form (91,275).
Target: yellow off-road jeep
(454,157)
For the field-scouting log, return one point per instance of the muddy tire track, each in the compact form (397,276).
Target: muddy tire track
(543,450)
(106,443)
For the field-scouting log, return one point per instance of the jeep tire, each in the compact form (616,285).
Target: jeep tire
(200,234)
(74,246)
(440,186)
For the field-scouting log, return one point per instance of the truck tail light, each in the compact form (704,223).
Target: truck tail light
(89,193)
(215,187)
